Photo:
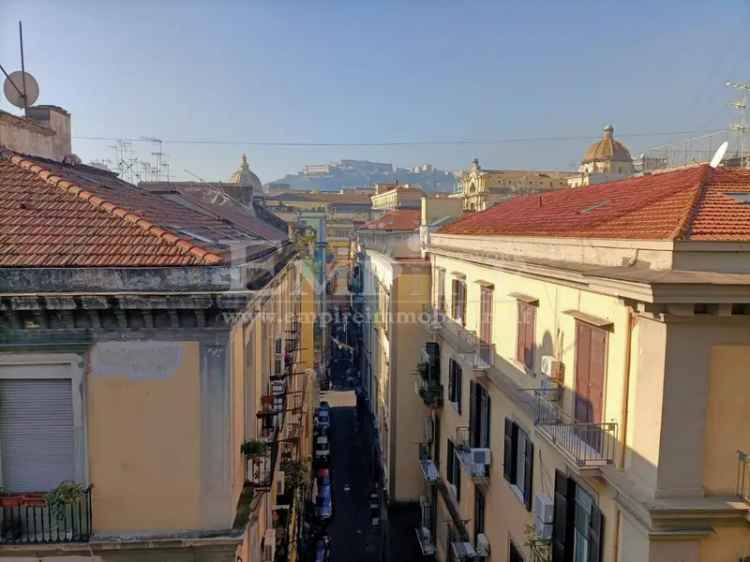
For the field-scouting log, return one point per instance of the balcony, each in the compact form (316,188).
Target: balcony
(472,350)
(586,445)
(424,531)
(427,465)
(743,475)
(541,550)
(433,319)
(430,392)
(476,461)
(28,519)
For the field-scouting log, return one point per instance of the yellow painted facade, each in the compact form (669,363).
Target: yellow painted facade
(674,391)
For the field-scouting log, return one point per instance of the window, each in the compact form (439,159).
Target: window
(485,325)
(513,554)
(480,416)
(579,524)
(455,383)
(479,509)
(518,460)
(441,290)
(453,469)
(525,338)
(591,352)
(36,432)
(458,301)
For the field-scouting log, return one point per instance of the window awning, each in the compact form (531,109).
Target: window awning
(525,298)
(590,319)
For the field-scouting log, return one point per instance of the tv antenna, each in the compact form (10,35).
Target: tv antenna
(20,88)
(740,127)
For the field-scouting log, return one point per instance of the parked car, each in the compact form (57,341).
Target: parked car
(322,449)
(324,500)
(323,419)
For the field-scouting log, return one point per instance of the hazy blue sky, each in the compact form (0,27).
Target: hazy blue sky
(369,71)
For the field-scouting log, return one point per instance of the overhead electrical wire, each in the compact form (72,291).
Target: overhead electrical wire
(459,142)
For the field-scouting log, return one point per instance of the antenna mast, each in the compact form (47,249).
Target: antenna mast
(741,126)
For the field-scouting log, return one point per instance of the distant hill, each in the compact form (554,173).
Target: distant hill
(363,173)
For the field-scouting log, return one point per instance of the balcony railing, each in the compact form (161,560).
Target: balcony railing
(588,445)
(541,550)
(29,520)
(433,318)
(743,475)
(427,465)
(430,391)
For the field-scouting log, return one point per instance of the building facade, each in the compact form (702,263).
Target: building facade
(145,342)
(583,367)
(480,189)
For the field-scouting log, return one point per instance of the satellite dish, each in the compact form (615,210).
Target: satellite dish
(719,155)
(14,89)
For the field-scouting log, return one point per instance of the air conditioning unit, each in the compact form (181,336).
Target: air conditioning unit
(552,368)
(279,478)
(483,545)
(429,429)
(277,388)
(269,545)
(482,457)
(463,550)
(544,515)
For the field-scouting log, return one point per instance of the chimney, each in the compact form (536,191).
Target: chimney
(45,133)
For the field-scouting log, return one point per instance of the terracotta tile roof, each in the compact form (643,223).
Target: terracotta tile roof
(54,215)
(397,219)
(687,204)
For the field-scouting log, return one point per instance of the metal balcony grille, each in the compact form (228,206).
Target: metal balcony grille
(586,444)
(32,521)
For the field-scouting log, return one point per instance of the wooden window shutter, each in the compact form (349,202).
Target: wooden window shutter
(561,524)
(596,533)
(529,325)
(520,332)
(459,386)
(473,412)
(487,421)
(508,463)
(528,477)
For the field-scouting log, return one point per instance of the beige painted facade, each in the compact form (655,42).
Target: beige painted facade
(395,290)
(674,410)
(480,189)
(159,418)
(394,196)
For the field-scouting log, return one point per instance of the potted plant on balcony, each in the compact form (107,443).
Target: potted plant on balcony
(253,448)
(66,493)
(423,369)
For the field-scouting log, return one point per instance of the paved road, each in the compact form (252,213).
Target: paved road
(353,538)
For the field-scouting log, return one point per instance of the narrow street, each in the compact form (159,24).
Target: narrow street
(353,537)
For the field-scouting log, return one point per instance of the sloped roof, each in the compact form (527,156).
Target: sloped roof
(55,215)
(696,203)
(397,219)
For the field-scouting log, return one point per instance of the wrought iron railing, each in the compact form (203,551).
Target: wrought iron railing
(541,550)
(587,444)
(743,475)
(30,520)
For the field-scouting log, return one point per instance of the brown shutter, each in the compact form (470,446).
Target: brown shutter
(473,412)
(596,372)
(583,364)
(528,476)
(454,298)
(530,324)
(508,463)
(459,386)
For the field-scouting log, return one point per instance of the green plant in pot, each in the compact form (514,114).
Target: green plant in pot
(253,448)
(66,493)
(295,474)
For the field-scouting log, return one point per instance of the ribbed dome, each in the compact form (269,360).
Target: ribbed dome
(607,149)
(245,176)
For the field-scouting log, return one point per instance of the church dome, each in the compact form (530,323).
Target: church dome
(245,177)
(607,149)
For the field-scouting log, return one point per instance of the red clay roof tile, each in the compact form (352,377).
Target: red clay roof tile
(686,204)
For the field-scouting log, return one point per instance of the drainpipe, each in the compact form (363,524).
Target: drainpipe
(626,386)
